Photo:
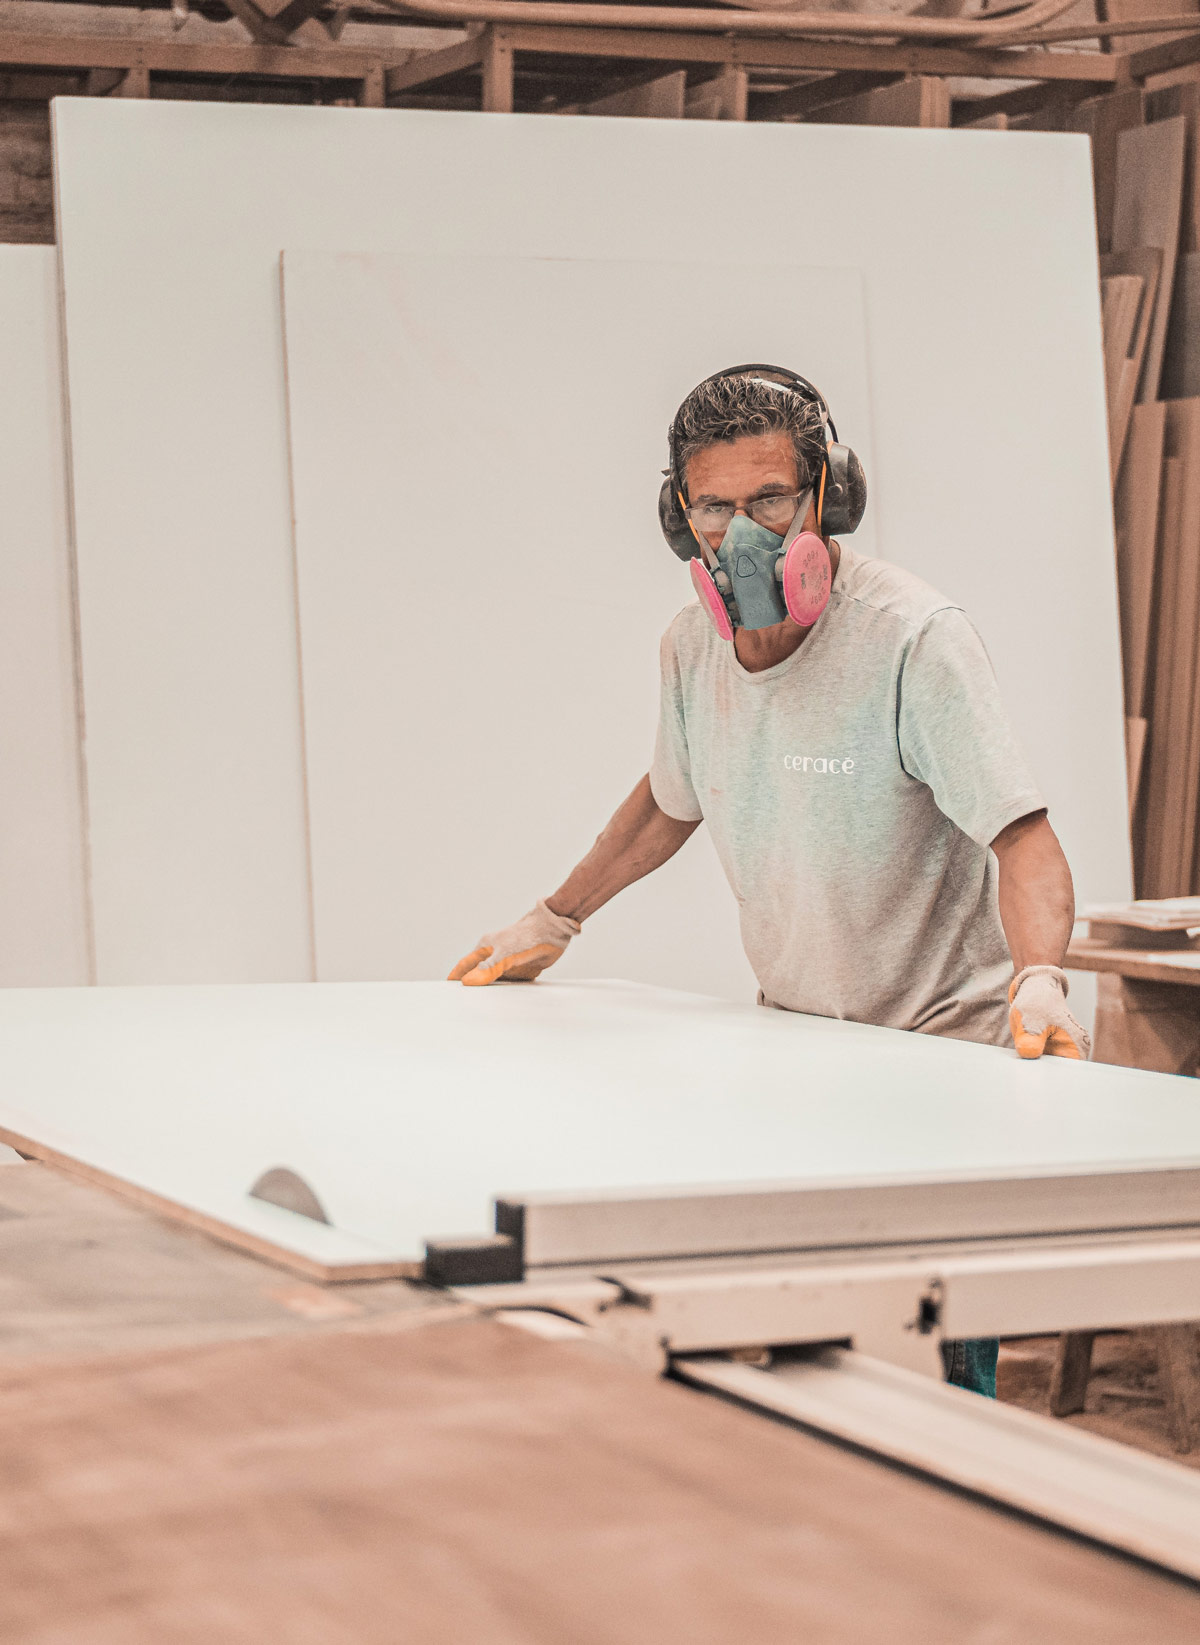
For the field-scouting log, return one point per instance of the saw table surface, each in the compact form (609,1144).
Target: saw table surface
(463,1481)
(409,1106)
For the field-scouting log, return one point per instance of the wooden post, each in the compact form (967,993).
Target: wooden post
(371,96)
(1176,1345)
(1072,1367)
(497,72)
(135,84)
(735,92)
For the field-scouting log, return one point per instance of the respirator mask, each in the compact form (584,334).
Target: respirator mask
(756,577)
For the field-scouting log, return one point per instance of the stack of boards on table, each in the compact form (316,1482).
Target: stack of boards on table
(1170,924)
(337,504)
(1147,186)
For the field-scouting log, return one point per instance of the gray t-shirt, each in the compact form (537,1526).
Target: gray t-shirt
(851,792)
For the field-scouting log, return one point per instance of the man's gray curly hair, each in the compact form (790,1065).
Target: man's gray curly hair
(729,408)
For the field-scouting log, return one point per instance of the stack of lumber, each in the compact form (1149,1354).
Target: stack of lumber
(1147,191)
(1163,923)
(1147,181)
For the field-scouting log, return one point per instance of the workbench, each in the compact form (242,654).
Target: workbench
(1147,1016)
(1147,1004)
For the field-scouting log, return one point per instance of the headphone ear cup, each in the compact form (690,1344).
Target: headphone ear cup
(674,523)
(845,493)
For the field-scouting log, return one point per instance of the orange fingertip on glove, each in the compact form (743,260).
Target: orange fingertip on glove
(1054,1042)
(1038,1016)
(469,962)
(520,967)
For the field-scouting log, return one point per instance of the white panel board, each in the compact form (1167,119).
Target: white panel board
(483,584)
(990,443)
(43,911)
(408,1106)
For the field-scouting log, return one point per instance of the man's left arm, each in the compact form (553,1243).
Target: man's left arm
(1037,910)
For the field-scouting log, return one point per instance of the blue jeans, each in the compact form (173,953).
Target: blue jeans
(972,1364)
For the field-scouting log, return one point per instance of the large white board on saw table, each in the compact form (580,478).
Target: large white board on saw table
(408,1106)
(990,451)
(476,451)
(43,905)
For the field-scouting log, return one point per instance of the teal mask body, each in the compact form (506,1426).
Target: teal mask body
(748,556)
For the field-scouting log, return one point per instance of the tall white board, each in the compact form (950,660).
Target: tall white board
(476,454)
(990,444)
(43,907)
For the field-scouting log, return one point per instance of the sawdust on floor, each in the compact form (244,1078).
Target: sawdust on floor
(1124,1398)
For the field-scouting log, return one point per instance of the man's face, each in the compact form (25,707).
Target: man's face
(740,472)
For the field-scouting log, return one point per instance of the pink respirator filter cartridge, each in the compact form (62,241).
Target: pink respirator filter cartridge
(710,598)
(807,579)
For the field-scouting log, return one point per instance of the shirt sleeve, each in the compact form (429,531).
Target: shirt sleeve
(671,769)
(954,733)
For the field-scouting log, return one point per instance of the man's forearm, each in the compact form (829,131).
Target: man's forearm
(638,838)
(1037,898)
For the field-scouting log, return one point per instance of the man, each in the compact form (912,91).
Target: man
(888,847)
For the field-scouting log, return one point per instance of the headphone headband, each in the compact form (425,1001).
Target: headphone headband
(776,377)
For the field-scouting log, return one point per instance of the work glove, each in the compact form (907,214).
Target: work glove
(518,952)
(1038,1015)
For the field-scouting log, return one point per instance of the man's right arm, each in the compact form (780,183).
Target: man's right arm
(638,838)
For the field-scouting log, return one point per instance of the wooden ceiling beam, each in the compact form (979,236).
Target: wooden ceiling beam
(1098,70)
(1160,59)
(661,45)
(50,51)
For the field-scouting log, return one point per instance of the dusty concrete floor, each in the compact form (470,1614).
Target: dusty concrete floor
(1124,1401)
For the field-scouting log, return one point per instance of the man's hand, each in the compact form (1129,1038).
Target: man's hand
(1037,908)
(1038,1015)
(520,951)
(638,838)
